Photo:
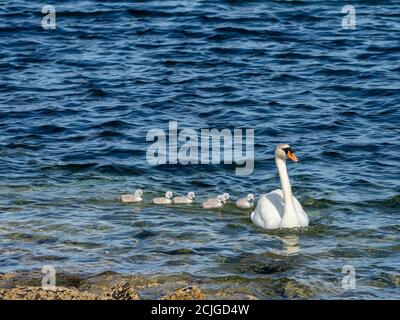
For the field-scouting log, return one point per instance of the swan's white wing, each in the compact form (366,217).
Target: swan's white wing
(269,210)
(300,213)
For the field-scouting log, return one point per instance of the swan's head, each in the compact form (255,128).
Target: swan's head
(221,198)
(226,196)
(250,197)
(168,195)
(190,195)
(139,193)
(284,151)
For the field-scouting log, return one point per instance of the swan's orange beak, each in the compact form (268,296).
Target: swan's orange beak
(292,157)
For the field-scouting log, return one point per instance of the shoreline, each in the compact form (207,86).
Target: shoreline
(114,286)
(105,286)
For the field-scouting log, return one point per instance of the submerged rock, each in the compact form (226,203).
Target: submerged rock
(187,293)
(37,293)
(122,291)
(295,290)
(395,280)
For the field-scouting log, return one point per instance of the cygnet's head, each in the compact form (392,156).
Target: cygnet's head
(168,195)
(225,196)
(284,151)
(139,193)
(221,198)
(190,195)
(250,197)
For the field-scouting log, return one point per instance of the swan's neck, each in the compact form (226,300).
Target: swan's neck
(286,188)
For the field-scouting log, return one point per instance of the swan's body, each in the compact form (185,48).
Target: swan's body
(132,198)
(279,208)
(167,199)
(213,203)
(185,200)
(270,210)
(245,203)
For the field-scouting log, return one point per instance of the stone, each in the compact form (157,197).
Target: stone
(38,293)
(187,293)
(122,291)
(294,290)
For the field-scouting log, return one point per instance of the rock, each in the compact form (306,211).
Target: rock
(188,293)
(294,290)
(395,279)
(122,291)
(38,293)
(7,276)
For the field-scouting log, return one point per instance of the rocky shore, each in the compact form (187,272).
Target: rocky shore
(113,286)
(21,286)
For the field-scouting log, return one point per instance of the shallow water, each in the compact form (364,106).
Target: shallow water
(76,104)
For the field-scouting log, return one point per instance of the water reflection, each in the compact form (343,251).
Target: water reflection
(290,244)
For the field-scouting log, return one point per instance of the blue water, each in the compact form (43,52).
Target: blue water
(77,102)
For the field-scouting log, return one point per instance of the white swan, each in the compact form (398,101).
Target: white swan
(132,198)
(185,200)
(245,203)
(279,208)
(167,199)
